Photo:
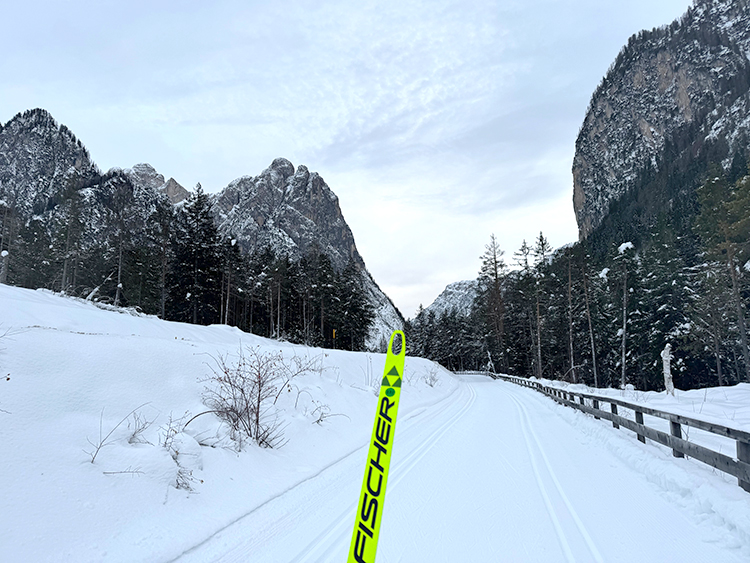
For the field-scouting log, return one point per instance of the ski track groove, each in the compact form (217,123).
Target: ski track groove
(338,533)
(526,424)
(430,411)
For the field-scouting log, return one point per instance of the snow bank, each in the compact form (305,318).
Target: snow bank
(73,373)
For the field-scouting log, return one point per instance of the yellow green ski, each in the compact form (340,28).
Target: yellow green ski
(372,498)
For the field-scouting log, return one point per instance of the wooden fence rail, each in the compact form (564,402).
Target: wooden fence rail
(589,403)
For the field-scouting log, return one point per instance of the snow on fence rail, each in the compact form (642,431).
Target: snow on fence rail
(738,467)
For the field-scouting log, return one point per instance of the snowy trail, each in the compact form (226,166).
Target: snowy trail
(494,473)
(319,512)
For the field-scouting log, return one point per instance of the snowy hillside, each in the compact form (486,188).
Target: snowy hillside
(75,371)
(104,460)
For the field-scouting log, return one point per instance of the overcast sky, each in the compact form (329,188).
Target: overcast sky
(437,123)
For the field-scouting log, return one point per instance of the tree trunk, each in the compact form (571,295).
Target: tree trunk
(4,228)
(119,271)
(570,320)
(195,297)
(278,311)
(66,260)
(538,336)
(4,262)
(163,280)
(229,287)
(270,311)
(591,328)
(717,350)
(252,309)
(624,322)
(5,258)
(532,350)
(740,313)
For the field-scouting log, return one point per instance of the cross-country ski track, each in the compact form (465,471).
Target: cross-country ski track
(493,472)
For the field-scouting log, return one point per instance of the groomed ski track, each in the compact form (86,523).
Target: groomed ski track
(494,472)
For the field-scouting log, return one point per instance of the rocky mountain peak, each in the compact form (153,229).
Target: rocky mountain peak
(457,296)
(48,182)
(294,211)
(282,167)
(289,210)
(38,158)
(145,176)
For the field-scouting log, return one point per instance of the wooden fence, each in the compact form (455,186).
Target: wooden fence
(592,404)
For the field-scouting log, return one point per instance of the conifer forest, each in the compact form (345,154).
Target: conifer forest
(600,311)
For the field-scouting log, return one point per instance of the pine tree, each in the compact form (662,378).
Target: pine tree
(723,226)
(625,258)
(195,275)
(353,311)
(489,302)
(541,250)
(123,221)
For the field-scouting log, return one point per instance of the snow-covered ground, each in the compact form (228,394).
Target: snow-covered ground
(482,470)
(71,366)
(726,406)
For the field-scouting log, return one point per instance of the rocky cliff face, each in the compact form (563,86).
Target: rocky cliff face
(38,159)
(293,210)
(458,296)
(670,93)
(146,177)
(290,210)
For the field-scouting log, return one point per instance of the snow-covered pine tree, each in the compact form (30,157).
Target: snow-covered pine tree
(353,311)
(723,225)
(624,260)
(489,304)
(195,274)
(540,251)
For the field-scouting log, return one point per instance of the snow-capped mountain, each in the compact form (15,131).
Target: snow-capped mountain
(145,176)
(290,210)
(293,210)
(672,94)
(59,213)
(458,296)
(38,159)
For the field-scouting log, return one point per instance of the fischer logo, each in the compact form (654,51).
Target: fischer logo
(377,467)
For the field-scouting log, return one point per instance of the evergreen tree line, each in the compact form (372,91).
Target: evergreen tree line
(104,240)
(581,315)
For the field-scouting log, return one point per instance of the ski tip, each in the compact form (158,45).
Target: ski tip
(397,344)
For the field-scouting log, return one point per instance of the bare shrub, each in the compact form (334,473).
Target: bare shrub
(244,393)
(169,430)
(137,425)
(431,377)
(322,412)
(106,440)
(174,426)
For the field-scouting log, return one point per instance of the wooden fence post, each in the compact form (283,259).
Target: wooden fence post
(639,420)
(596,406)
(743,454)
(676,430)
(614,411)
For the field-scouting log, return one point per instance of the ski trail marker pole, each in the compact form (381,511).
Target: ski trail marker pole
(372,498)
